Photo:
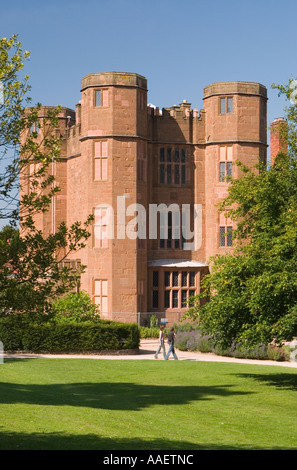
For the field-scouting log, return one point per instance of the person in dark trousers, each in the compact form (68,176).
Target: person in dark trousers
(171,336)
(161,343)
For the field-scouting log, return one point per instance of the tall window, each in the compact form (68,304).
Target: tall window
(100,161)
(172,166)
(225,236)
(226,105)
(35,128)
(101,98)
(101,227)
(226,157)
(225,230)
(101,294)
(172,222)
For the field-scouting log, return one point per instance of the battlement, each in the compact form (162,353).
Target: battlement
(119,79)
(236,87)
(183,110)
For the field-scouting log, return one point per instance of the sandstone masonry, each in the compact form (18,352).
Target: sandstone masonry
(118,149)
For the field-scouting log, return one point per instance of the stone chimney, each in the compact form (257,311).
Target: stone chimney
(278,138)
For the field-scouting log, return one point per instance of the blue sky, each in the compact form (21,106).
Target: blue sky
(179,46)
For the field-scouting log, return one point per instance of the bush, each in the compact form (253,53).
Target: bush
(146,332)
(52,336)
(185,326)
(76,306)
(276,353)
(193,340)
(181,340)
(204,344)
(11,332)
(153,321)
(189,338)
(259,352)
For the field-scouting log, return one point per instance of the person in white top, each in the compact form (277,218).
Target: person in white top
(161,343)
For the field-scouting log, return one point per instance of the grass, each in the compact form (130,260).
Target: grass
(123,404)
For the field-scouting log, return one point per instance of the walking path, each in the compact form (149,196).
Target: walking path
(147,350)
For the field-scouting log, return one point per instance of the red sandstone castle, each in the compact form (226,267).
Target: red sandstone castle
(119,154)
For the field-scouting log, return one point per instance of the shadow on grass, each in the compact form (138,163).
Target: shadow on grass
(281,380)
(109,395)
(61,441)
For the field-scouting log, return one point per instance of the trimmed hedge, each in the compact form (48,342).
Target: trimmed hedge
(53,337)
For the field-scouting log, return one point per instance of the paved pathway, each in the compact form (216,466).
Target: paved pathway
(147,351)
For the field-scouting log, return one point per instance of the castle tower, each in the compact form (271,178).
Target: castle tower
(235,129)
(105,178)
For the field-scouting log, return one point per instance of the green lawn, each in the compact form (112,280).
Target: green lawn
(142,404)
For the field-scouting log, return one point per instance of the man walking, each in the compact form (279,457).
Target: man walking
(171,336)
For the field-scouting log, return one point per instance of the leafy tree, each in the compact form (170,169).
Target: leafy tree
(252,292)
(30,273)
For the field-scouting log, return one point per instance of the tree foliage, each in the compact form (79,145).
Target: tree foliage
(76,306)
(30,262)
(252,292)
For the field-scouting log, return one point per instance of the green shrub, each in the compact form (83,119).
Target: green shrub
(76,306)
(204,345)
(67,336)
(146,332)
(153,321)
(181,340)
(193,340)
(276,353)
(185,326)
(11,333)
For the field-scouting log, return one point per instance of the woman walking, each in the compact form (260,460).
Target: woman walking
(161,343)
